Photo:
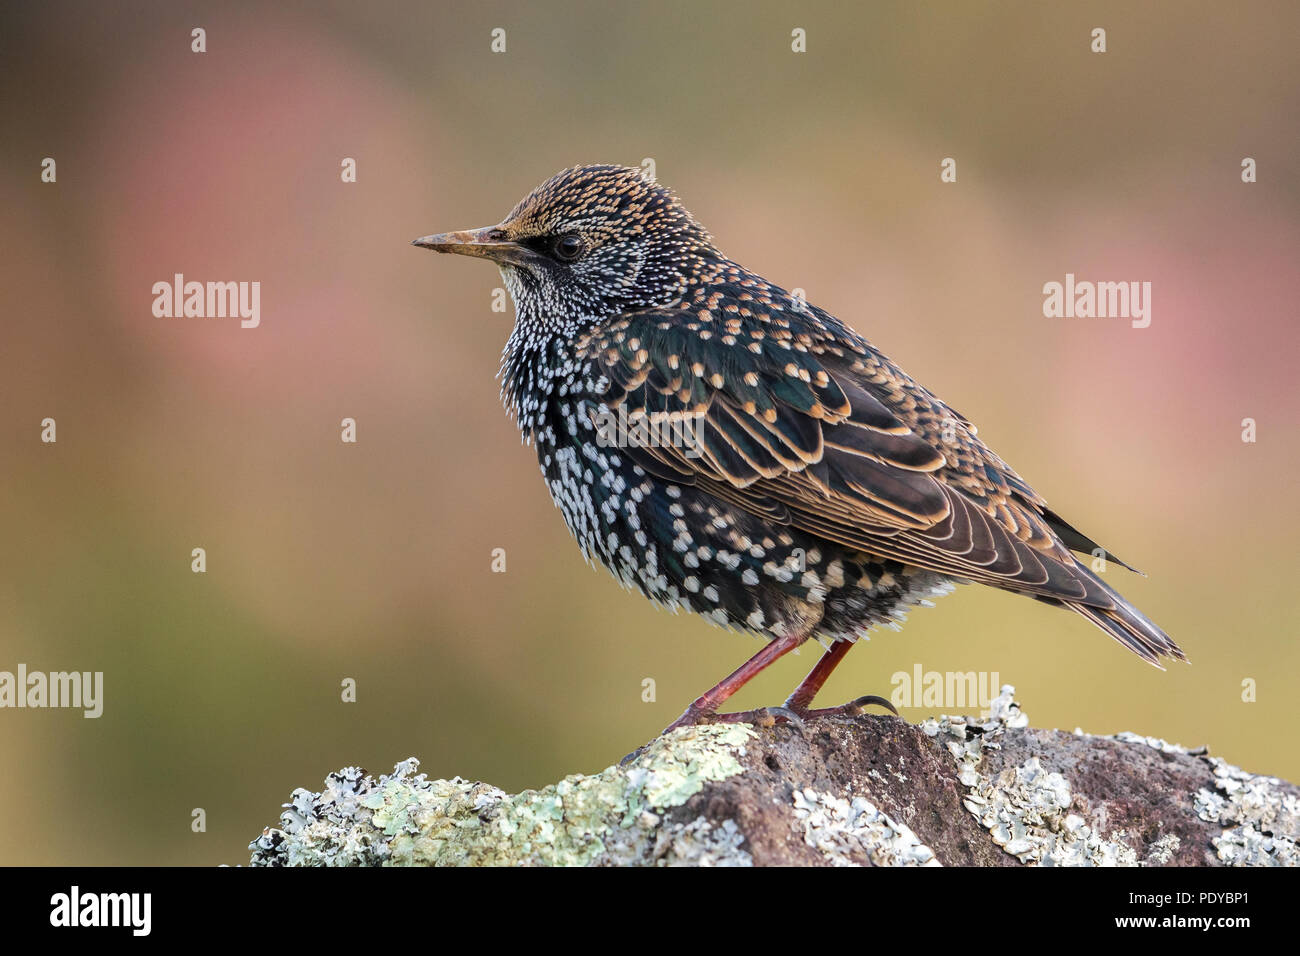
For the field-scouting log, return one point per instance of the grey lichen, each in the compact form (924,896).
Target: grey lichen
(1266,822)
(701,843)
(1027,812)
(1163,850)
(846,831)
(405,819)
(1026,809)
(1261,822)
(1155,743)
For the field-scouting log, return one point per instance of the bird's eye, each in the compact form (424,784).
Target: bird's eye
(567,248)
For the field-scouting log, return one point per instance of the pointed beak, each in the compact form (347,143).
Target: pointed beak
(489,243)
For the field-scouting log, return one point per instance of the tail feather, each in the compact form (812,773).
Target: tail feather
(1076,540)
(1134,630)
(1126,624)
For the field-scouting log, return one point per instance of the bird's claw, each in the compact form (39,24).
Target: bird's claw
(760,717)
(853,708)
(769,716)
(860,704)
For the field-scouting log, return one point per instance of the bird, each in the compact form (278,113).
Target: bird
(723,446)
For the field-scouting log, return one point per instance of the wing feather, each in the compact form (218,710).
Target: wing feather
(804,424)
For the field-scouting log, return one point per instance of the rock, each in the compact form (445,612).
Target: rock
(834,792)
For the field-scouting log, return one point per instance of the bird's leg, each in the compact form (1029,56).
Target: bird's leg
(803,695)
(704,709)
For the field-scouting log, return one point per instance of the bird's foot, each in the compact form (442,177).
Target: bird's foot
(761,717)
(791,713)
(852,709)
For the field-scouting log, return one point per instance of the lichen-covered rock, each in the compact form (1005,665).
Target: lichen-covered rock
(1055,799)
(843,831)
(1028,808)
(843,791)
(612,817)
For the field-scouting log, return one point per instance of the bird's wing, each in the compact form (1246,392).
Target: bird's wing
(803,423)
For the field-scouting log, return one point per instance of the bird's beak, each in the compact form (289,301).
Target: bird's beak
(488,243)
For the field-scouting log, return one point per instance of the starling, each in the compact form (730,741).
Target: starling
(818,491)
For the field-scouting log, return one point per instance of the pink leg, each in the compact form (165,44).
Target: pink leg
(800,701)
(705,706)
(803,694)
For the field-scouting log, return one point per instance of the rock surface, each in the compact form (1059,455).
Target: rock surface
(834,792)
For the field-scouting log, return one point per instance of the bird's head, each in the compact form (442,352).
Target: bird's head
(590,242)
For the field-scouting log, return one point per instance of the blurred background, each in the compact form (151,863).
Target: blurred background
(328,561)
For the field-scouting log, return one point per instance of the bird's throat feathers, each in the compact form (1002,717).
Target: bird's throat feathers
(535,355)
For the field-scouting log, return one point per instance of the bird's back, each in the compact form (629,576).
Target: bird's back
(826,480)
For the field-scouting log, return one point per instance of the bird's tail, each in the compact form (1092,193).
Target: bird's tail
(1122,621)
